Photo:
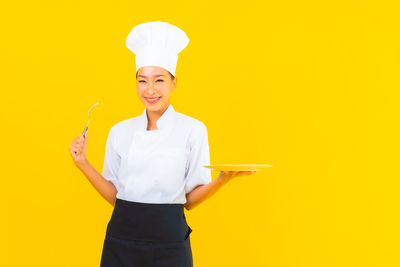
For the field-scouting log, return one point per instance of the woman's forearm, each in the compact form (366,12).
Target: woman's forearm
(203,192)
(106,189)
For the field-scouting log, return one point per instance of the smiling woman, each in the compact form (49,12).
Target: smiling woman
(154,163)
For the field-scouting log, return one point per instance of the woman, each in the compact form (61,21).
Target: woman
(153,166)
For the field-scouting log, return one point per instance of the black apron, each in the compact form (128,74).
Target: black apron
(147,235)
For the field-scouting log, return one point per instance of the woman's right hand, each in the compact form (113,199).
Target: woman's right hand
(78,149)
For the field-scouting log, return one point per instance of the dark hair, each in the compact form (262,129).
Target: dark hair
(172,76)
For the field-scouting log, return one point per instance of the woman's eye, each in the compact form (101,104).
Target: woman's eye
(160,80)
(141,81)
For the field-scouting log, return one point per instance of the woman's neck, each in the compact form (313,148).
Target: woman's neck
(152,118)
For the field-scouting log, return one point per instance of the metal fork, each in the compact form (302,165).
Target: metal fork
(87,125)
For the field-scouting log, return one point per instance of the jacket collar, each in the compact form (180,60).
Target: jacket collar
(164,122)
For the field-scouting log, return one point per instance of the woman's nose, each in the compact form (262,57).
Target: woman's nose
(150,88)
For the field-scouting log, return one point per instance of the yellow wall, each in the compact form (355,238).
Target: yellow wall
(309,86)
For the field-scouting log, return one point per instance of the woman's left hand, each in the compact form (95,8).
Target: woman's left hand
(232,174)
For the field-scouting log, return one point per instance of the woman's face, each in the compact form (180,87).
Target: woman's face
(154,86)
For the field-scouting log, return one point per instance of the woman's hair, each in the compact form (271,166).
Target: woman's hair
(172,76)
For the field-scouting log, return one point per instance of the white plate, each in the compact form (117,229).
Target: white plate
(238,167)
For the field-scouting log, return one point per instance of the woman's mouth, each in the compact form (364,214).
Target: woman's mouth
(152,100)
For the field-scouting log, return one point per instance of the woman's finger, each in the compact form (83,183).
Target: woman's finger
(235,173)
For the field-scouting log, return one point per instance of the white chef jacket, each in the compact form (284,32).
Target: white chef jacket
(157,166)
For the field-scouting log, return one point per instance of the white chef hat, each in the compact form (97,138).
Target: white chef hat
(157,43)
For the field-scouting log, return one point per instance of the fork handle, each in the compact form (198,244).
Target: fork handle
(84,131)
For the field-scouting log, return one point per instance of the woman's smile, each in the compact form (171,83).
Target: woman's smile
(152,100)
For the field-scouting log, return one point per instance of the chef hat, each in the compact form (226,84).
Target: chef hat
(157,43)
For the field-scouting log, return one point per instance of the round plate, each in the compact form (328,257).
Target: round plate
(238,167)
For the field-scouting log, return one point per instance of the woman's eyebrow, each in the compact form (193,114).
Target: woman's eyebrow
(154,76)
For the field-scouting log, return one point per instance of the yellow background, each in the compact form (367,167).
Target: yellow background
(308,86)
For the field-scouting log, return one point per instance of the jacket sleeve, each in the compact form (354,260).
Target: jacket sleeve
(199,156)
(112,160)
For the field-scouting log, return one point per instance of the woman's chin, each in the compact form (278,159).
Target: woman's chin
(153,107)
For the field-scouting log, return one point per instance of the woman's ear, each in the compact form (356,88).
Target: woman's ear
(174,83)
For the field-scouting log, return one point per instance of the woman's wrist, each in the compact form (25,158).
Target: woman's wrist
(224,177)
(82,164)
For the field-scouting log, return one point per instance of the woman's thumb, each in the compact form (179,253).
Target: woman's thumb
(86,135)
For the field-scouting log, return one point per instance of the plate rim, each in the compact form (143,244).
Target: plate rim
(239,165)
